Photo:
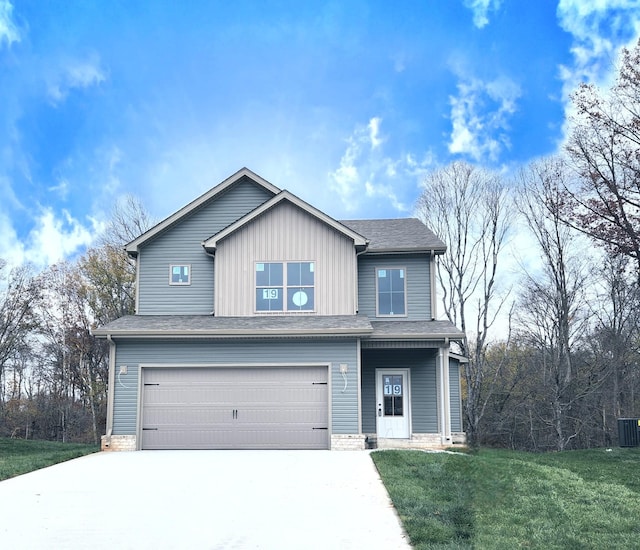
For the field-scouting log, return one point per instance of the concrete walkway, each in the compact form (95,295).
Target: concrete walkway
(202,500)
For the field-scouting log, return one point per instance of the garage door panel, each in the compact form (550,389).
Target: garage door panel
(241,408)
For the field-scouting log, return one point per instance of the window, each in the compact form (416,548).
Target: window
(179,274)
(390,285)
(300,279)
(393,393)
(269,285)
(275,280)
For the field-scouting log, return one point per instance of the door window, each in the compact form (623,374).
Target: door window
(393,394)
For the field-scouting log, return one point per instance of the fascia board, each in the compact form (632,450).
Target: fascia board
(390,251)
(405,336)
(211,243)
(132,247)
(239,333)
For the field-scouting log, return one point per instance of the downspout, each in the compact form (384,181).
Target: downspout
(444,401)
(213,259)
(357,304)
(447,393)
(432,285)
(112,387)
(137,300)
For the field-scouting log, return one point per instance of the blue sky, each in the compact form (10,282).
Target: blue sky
(347,104)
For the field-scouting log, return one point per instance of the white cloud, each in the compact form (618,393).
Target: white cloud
(11,249)
(480,117)
(57,238)
(374,130)
(599,28)
(480,9)
(8,31)
(366,174)
(74,75)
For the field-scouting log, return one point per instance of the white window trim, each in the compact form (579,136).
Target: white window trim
(285,288)
(171,266)
(392,316)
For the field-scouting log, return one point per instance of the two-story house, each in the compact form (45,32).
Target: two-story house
(263,323)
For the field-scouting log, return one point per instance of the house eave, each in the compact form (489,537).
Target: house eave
(233,334)
(132,247)
(407,250)
(404,336)
(211,243)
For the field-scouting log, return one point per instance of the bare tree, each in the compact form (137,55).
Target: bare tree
(19,296)
(604,148)
(551,314)
(467,207)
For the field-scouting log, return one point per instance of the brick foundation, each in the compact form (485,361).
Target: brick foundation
(118,443)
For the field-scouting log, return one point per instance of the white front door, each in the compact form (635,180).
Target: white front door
(392,391)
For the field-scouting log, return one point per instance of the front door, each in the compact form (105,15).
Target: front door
(392,391)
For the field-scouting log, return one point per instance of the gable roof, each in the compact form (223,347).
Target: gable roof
(211,243)
(132,247)
(397,235)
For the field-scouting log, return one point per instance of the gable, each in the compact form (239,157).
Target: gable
(282,197)
(286,233)
(243,176)
(180,244)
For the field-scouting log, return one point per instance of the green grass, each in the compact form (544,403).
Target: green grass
(18,456)
(504,499)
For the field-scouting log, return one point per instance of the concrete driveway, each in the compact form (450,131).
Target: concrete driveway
(202,499)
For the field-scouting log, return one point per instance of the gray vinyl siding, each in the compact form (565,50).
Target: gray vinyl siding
(456,398)
(422,364)
(132,353)
(286,233)
(182,244)
(418,284)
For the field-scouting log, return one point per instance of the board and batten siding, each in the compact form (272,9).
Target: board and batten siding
(422,366)
(286,233)
(418,284)
(193,352)
(182,244)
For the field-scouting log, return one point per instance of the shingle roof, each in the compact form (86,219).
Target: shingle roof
(397,235)
(275,326)
(426,330)
(228,327)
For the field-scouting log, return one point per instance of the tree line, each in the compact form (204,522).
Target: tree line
(553,345)
(53,371)
(542,272)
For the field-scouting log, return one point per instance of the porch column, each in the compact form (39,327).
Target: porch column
(444,401)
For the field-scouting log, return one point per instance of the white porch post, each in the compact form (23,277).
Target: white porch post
(444,401)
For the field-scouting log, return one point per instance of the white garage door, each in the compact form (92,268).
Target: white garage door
(235,408)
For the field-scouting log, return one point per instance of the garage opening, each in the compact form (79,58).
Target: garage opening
(235,408)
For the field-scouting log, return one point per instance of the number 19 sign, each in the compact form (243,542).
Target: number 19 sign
(269,293)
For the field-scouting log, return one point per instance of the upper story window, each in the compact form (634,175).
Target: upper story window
(285,286)
(391,291)
(179,274)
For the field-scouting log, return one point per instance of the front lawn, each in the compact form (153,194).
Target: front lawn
(18,456)
(505,499)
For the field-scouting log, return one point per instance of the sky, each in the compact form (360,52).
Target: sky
(347,104)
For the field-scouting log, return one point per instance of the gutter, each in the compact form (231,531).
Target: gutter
(239,333)
(404,336)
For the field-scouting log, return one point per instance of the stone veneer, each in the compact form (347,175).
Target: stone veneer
(339,442)
(118,443)
(348,442)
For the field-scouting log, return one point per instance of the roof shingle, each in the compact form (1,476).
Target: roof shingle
(397,235)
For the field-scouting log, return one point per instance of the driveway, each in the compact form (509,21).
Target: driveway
(202,499)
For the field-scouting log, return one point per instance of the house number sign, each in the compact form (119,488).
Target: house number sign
(269,293)
(392,385)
